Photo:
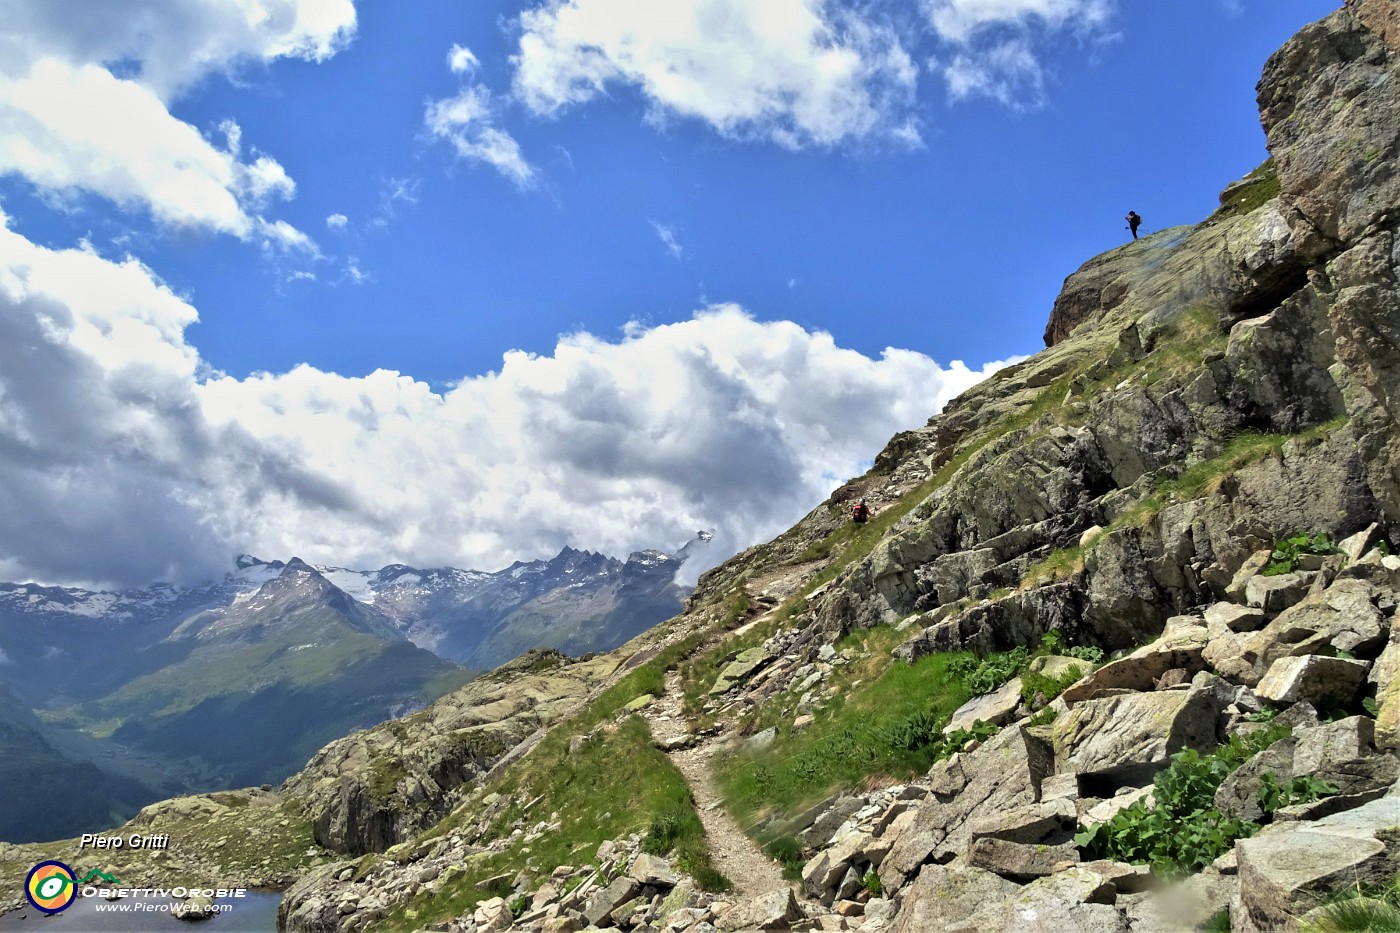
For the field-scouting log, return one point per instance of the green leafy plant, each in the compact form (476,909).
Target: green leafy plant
(1053,642)
(517,905)
(1039,689)
(1302,789)
(1287,552)
(1267,714)
(1182,832)
(914,731)
(871,883)
(1370,705)
(959,739)
(983,675)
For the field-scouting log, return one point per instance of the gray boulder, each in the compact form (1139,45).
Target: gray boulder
(1019,861)
(953,899)
(1001,774)
(1322,681)
(995,707)
(602,904)
(1126,739)
(1286,869)
(1071,901)
(1141,670)
(773,911)
(1276,593)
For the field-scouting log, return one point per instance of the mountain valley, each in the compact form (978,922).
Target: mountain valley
(148,693)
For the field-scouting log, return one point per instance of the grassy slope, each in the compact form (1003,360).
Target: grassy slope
(615,783)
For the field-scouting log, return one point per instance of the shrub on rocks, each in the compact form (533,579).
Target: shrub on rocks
(1182,831)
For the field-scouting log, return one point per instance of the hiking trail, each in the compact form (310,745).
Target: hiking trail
(732,853)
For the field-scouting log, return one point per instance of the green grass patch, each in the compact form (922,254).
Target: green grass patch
(1060,564)
(787,851)
(1258,188)
(886,728)
(1037,689)
(1356,915)
(614,784)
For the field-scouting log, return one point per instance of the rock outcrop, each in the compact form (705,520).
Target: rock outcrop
(376,788)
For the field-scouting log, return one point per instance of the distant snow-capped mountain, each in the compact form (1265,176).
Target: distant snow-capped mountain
(577,601)
(56,642)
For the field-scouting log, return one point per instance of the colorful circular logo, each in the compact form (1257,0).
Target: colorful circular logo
(51,886)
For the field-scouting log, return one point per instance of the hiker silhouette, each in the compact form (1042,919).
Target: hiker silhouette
(1133,222)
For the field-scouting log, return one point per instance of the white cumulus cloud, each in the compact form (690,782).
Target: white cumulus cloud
(462,60)
(799,72)
(123,458)
(85,92)
(994,43)
(166,45)
(1009,73)
(961,20)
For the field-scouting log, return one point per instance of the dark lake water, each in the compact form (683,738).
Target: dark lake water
(255,913)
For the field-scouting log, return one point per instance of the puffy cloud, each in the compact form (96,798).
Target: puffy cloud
(462,60)
(66,129)
(720,421)
(165,45)
(85,90)
(795,71)
(337,221)
(993,43)
(961,20)
(124,459)
(467,122)
(281,237)
(98,419)
(1009,73)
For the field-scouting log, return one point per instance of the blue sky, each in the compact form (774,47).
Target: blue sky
(919,176)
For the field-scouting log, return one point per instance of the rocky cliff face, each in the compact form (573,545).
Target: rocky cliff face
(379,787)
(1207,394)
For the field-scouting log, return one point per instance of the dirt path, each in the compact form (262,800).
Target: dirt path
(733,854)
